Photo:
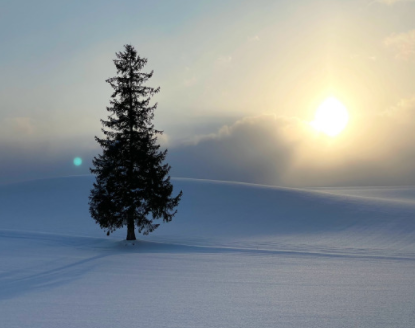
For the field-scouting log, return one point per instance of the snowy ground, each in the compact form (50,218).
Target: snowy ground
(236,255)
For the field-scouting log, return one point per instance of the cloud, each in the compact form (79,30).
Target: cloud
(403,111)
(254,38)
(32,158)
(189,82)
(27,152)
(403,44)
(251,149)
(360,57)
(373,150)
(21,125)
(163,139)
(223,60)
(392,2)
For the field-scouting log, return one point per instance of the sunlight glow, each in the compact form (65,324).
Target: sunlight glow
(331,117)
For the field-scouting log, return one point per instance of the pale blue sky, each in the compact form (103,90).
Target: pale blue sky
(217,62)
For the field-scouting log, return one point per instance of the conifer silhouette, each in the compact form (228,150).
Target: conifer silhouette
(132,186)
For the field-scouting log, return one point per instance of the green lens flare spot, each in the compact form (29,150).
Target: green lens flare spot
(77,161)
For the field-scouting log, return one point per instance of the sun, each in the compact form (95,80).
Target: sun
(331,117)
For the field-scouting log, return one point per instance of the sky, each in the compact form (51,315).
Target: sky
(240,84)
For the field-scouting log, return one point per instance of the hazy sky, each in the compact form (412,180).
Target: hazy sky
(240,82)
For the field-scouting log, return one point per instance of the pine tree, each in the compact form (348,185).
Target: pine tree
(132,186)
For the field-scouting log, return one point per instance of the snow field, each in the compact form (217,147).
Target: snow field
(237,255)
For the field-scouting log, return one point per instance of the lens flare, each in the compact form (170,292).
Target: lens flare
(77,161)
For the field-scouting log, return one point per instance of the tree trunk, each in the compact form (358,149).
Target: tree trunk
(130,226)
(130,230)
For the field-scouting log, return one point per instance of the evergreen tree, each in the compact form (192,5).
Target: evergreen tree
(132,185)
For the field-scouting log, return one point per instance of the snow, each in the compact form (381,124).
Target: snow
(236,255)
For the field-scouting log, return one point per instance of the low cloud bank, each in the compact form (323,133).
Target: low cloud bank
(376,149)
(373,150)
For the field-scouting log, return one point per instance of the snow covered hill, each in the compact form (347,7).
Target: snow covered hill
(236,255)
(369,221)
